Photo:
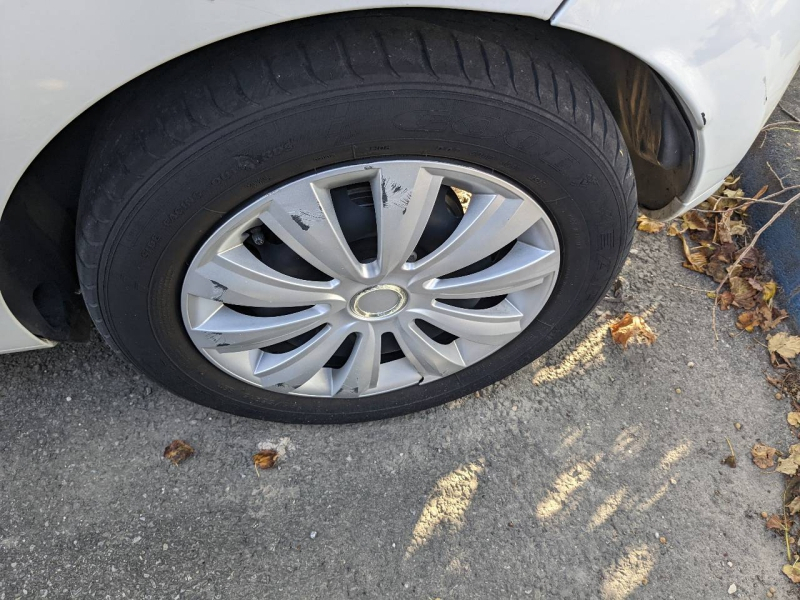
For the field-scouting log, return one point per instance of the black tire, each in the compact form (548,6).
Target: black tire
(193,140)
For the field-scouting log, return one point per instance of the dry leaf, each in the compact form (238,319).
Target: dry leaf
(787,466)
(178,451)
(735,271)
(750,257)
(645,223)
(675,229)
(726,252)
(695,221)
(723,227)
(717,270)
(770,288)
(775,522)
(763,456)
(724,203)
(694,260)
(731,181)
(787,346)
(792,572)
(265,459)
(748,321)
(794,506)
(725,300)
(743,292)
(794,419)
(738,228)
(631,328)
(771,316)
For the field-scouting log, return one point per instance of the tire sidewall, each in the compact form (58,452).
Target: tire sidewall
(180,202)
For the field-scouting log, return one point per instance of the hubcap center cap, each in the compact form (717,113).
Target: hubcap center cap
(378,301)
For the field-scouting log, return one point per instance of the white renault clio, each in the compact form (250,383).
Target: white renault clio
(339,210)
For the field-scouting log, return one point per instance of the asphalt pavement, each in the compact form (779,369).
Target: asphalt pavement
(593,473)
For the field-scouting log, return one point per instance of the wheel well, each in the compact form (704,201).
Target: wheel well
(38,277)
(653,125)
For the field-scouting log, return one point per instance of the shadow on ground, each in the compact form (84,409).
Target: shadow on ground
(586,475)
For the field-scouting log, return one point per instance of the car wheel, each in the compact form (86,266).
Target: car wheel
(353,217)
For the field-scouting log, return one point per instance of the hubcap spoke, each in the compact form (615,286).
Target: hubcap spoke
(523,267)
(303,217)
(294,368)
(491,223)
(404,198)
(360,372)
(237,277)
(494,325)
(431,359)
(230,331)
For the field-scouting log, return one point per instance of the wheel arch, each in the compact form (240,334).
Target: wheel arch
(37,265)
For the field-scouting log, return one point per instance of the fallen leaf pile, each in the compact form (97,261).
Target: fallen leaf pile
(783,348)
(178,451)
(717,242)
(787,524)
(714,238)
(630,328)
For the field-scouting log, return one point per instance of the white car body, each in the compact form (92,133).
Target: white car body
(728,62)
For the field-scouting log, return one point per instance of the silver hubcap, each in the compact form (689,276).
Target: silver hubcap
(397,293)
